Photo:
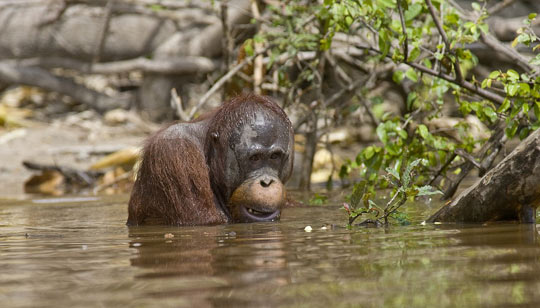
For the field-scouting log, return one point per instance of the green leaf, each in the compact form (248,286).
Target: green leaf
(428,190)
(423,131)
(393,172)
(512,89)
(369,152)
(387,3)
(524,88)
(494,74)
(406,177)
(384,42)
(381,133)
(535,60)
(512,75)
(248,47)
(511,129)
(373,205)
(402,133)
(505,105)
(359,189)
(411,74)
(413,11)
(411,98)
(525,108)
(524,133)
(490,113)
(414,54)
(397,76)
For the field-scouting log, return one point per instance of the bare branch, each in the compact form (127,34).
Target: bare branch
(220,83)
(184,65)
(227,40)
(499,6)
(176,103)
(258,63)
(495,44)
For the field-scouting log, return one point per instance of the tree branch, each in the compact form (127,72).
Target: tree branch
(465,84)
(499,6)
(459,77)
(404,29)
(221,82)
(183,65)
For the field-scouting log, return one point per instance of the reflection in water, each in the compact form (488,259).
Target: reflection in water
(82,254)
(236,256)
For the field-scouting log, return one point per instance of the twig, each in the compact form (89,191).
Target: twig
(389,209)
(488,161)
(496,138)
(495,44)
(492,42)
(443,167)
(465,84)
(457,69)
(468,157)
(176,103)
(341,73)
(258,63)
(368,110)
(499,6)
(404,29)
(221,82)
(227,39)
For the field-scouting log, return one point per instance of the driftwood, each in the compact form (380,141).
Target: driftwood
(508,192)
(169,46)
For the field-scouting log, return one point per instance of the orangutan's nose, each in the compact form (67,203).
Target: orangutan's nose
(266,181)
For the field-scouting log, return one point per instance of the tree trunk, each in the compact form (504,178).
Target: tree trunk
(510,191)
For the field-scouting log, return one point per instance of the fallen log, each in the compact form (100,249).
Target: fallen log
(508,192)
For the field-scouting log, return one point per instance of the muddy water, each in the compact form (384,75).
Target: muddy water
(55,253)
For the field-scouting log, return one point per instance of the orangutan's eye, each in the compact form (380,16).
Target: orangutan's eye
(255,157)
(276,155)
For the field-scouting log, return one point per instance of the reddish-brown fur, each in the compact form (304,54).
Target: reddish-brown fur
(179,169)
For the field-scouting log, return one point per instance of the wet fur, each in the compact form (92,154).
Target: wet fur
(181,180)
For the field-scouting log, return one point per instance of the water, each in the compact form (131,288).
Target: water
(80,253)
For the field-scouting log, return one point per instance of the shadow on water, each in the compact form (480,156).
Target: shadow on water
(80,253)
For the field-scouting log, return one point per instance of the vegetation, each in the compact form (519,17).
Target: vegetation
(424,46)
(424,74)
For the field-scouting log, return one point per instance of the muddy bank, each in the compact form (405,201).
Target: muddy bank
(73,141)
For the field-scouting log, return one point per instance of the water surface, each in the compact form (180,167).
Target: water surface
(79,253)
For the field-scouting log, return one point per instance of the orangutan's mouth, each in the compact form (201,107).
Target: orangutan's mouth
(257,215)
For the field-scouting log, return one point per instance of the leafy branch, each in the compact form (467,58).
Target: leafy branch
(404,188)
